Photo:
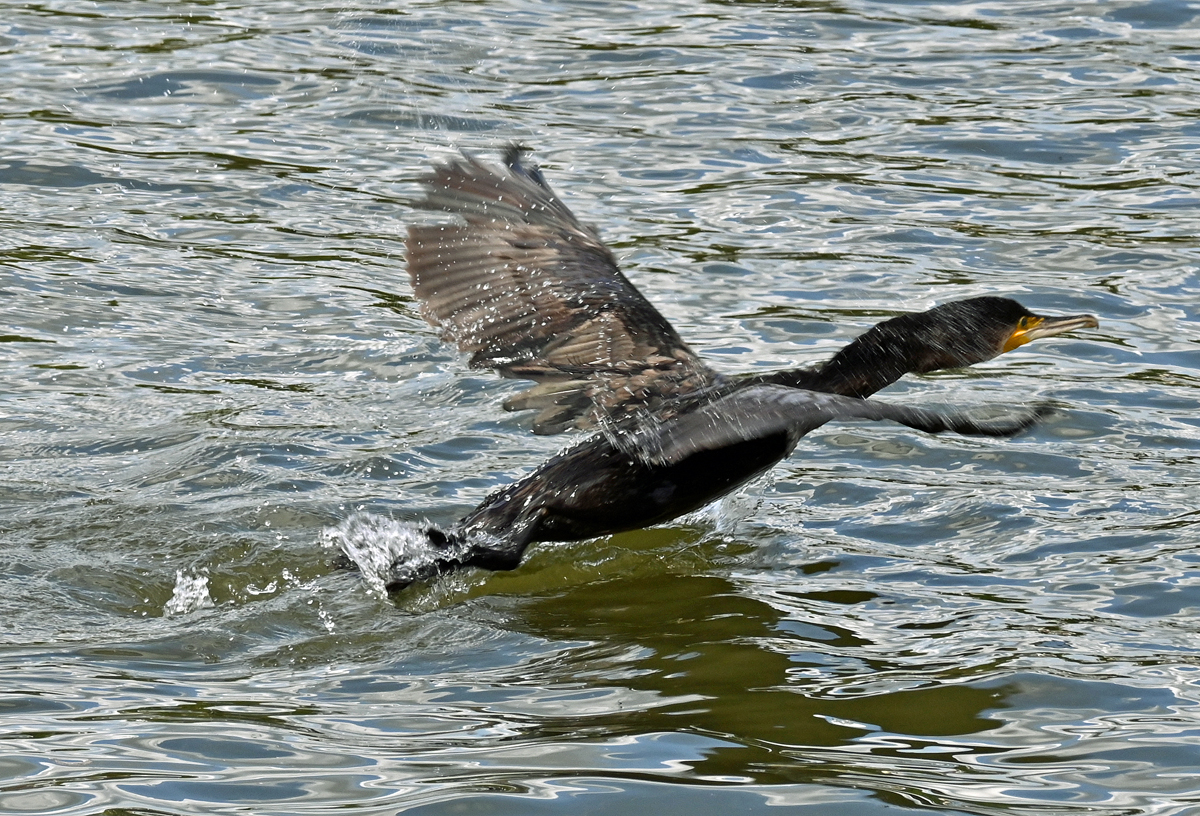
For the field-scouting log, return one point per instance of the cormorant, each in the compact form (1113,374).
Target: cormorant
(526,289)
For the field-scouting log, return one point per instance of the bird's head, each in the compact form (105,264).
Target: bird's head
(965,332)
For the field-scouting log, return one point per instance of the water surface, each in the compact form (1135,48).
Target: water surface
(211,358)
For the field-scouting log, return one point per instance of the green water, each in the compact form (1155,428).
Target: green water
(210,358)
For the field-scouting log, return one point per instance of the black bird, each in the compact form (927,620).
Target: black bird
(526,289)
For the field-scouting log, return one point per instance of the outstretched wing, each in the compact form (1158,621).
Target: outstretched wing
(760,411)
(526,289)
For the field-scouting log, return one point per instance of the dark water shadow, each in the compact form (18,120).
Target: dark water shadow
(167,83)
(731,666)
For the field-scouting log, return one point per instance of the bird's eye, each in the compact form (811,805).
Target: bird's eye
(1023,323)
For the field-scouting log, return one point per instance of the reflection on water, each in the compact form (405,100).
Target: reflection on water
(210,356)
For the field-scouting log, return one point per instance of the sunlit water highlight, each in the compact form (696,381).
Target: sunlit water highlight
(214,378)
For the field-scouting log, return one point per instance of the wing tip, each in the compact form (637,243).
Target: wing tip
(513,155)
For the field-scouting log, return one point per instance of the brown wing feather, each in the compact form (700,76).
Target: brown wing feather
(524,288)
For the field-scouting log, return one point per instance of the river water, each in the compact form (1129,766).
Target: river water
(212,366)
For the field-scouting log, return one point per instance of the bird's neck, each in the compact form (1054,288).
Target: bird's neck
(873,361)
(846,374)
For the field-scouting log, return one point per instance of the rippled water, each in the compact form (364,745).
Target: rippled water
(211,360)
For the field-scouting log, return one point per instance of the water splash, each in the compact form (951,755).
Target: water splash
(190,593)
(728,512)
(387,551)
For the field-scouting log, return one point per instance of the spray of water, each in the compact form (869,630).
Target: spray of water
(190,594)
(387,551)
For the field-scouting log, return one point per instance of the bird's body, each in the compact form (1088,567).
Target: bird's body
(526,289)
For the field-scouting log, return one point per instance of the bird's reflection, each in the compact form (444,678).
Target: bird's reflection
(737,668)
